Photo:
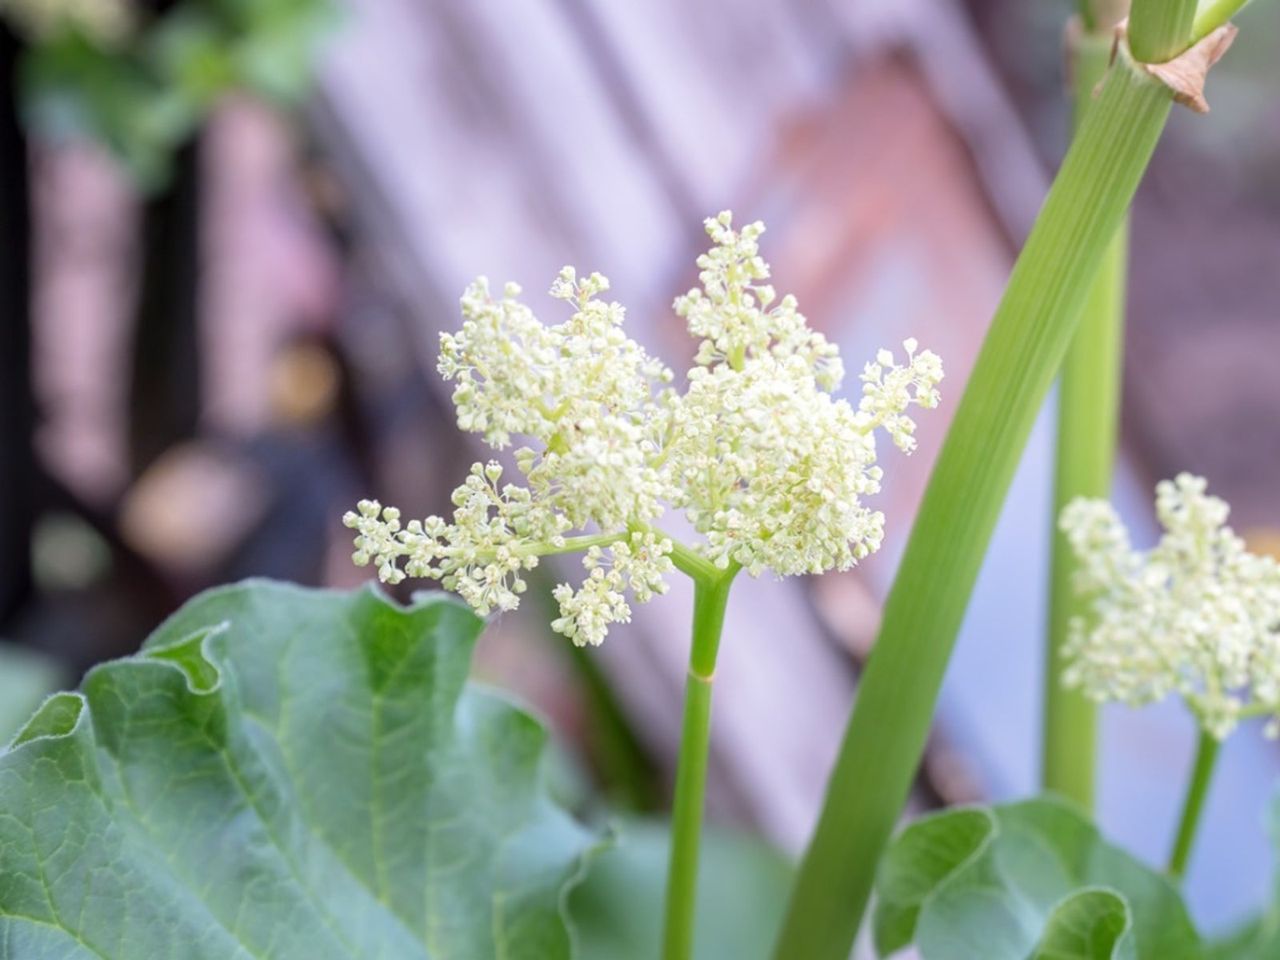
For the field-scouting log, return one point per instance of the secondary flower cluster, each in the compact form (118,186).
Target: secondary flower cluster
(1198,615)
(765,463)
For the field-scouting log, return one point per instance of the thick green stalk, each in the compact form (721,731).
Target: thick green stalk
(1193,804)
(1028,339)
(1088,406)
(711,595)
(1160,29)
(1101,16)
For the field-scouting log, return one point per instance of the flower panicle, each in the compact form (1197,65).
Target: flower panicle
(1197,615)
(737,317)
(768,466)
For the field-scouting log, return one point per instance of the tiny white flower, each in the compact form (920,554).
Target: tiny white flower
(1197,615)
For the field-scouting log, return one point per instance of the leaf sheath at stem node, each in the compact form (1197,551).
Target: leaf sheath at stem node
(1185,74)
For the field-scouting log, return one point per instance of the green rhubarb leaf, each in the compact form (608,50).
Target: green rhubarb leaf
(1088,925)
(292,774)
(1024,881)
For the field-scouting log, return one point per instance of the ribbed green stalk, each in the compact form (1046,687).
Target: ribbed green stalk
(1193,803)
(1028,339)
(1088,407)
(711,595)
(1100,17)
(1160,29)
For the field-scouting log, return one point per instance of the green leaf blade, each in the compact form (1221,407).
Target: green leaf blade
(287,773)
(1040,883)
(924,856)
(1088,925)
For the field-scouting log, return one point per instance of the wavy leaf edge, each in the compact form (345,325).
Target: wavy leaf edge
(64,715)
(889,934)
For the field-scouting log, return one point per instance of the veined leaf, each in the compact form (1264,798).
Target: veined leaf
(285,773)
(1025,881)
(1088,925)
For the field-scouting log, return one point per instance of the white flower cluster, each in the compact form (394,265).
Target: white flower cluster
(1197,615)
(638,562)
(590,399)
(766,464)
(732,315)
(106,21)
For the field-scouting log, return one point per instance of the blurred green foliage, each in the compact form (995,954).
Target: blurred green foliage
(142,91)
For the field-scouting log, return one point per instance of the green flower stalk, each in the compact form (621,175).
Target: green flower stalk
(766,465)
(1088,411)
(711,596)
(1207,748)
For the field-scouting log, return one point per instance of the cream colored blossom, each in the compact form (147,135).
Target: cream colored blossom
(482,554)
(732,312)
(1197,615)
(785,492)
(767,465)
(107,21)
(590,399)
(637,563)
